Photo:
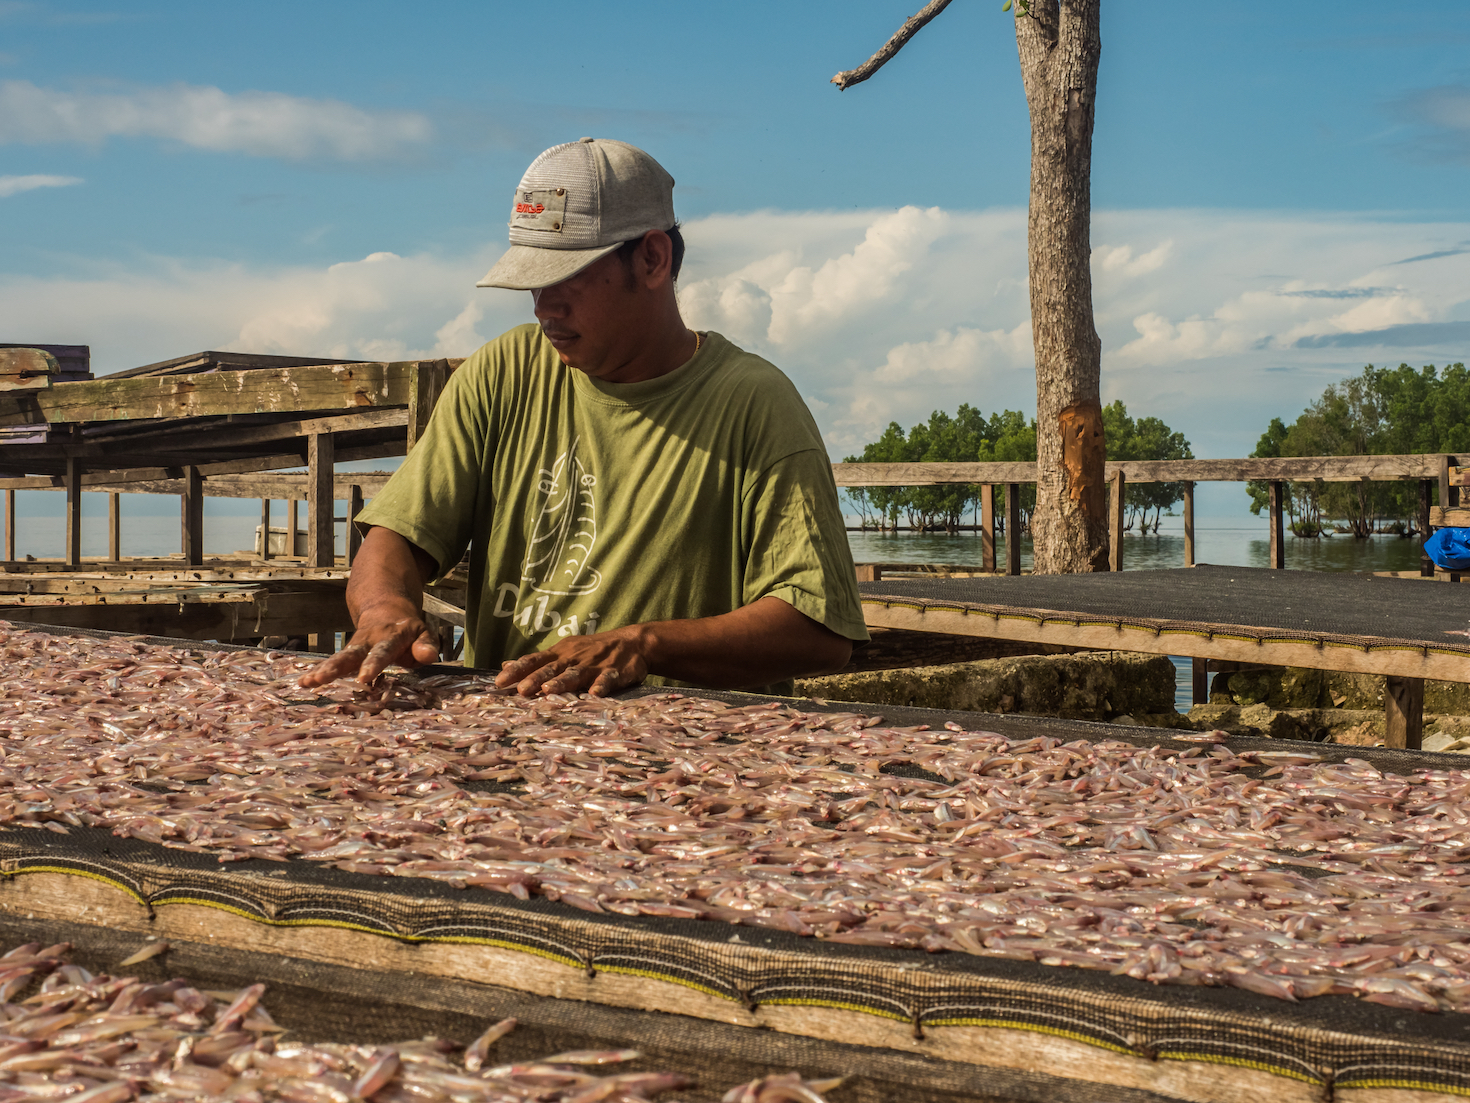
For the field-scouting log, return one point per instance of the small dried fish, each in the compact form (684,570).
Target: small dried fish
(153,949)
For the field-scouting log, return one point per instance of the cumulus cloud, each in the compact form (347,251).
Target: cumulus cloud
(1213,320)
(14,185)
(260,124)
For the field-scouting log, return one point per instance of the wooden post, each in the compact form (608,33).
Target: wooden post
(1445,494)
(426,383)
(321,533)
(192,501)
(1199,671)
(869,572)
(1115,518)
(265,528)
(1013,528)
(1278,532)
(1403,701)
(114,527)
(1426,492)
(292,526)
(1189,525)
(9,524)
(987,527)
(354,537)
(73,512)
(320,507)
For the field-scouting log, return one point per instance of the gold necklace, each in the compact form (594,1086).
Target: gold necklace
(698,340)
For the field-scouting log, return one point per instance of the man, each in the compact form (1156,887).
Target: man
(639,500)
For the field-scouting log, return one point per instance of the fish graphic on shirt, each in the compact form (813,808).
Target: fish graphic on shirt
(565,529)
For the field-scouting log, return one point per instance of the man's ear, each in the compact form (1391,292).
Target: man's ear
(655,259)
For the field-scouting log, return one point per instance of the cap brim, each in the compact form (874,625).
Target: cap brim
(522,268)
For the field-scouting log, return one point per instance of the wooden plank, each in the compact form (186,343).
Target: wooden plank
(271,614)
(1189,524)
(1278,532)
(1116,508)
(114,527)
(321,535)
(264,390)
(1142,638)
(1089,1071)
(191,502)
(231,436)
(292,524)
(281,462)
(987,527)
(1403,701)
(1300,468)
(427,384)
(1199,676)
(868,572)
(265,528)
(442,609)
(23,369)
(73,552)
(1013,528)
(9,523)
(1455,517)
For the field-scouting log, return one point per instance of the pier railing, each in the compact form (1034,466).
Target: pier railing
(1432,471)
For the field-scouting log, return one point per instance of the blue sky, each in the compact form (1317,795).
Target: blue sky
(1280,190)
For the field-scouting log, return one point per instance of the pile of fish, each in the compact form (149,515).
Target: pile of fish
(109,1039)
(1279,873)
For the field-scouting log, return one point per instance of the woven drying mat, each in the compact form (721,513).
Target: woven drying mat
(1360,612)
(1025,1031)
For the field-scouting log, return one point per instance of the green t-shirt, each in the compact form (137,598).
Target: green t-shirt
(588,506)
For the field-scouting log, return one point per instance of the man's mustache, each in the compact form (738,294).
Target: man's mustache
(557,332)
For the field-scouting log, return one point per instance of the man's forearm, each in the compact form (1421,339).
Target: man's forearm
(388,573)
(766,641)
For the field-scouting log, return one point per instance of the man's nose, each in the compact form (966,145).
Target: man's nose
(547,303)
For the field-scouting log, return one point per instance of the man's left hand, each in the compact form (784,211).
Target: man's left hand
(600,665)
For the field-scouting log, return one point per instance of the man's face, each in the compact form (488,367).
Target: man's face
(594,320)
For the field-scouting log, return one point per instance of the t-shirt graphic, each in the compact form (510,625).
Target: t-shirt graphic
(565,529)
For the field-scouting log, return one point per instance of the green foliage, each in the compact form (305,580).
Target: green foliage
(1009,436)
(1023,7)
(1383,411)
(1147,438)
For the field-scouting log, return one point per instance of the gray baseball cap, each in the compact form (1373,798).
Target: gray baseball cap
(575,205)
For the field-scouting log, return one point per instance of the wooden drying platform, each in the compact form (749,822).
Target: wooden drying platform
(381,958)
(1358,623)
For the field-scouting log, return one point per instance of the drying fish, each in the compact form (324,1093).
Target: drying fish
(153,949)
(107,1057)
(1278,872)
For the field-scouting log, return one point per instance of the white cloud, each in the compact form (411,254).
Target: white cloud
(1215,321)
(14,185)
(261,124)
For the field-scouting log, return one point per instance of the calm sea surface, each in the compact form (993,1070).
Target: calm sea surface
(1228,541)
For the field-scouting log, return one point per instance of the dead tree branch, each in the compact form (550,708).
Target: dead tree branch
(848,77)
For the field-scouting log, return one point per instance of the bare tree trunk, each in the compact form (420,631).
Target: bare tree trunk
(1059,45)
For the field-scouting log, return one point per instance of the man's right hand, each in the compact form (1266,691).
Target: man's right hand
(385,596)
(375,646)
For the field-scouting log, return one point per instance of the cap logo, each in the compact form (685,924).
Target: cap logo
(539,209)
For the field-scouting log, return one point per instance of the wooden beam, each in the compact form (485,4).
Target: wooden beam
(281,613)
(9,523)
(1116,509)
(292,526)
(97,480)
(425,387)
(1013,528)
(868,572)
(321,536)
(1188,524)
(1453,517)
(1199,675)
(262,390)
(114,527)
(1162,639)
(192,504)
(1346,469)
(73,553)
(1445,462)
(219,437)
(1278,532)
(277,486)
(987,527)
(1403,701)
(265,528)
